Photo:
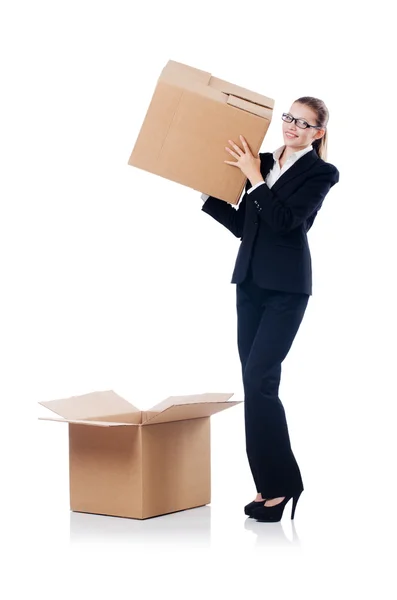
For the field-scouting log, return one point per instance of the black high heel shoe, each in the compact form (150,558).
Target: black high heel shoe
(252,506)
(272,514)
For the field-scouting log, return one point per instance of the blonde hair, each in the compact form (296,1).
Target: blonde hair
(318,106)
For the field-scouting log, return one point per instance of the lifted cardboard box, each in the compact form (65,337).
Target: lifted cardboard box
(131,463)
(190,119)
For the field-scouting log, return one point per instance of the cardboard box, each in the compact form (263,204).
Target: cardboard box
(131,463)
(190,119)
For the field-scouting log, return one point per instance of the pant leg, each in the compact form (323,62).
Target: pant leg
(275,470)
(249,314)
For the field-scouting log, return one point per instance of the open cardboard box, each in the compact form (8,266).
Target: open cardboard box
(131,463)
(190,119)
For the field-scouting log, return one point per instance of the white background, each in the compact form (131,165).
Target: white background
(113,278)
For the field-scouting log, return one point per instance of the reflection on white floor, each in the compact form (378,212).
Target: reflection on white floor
(192,527)
(272,534)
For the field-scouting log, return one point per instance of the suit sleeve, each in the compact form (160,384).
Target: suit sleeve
(223,212)
(284,215)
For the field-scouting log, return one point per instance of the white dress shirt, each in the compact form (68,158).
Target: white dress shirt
(276,171)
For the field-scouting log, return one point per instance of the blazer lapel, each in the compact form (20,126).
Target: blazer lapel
(267,162)
(266,165)
(300,166)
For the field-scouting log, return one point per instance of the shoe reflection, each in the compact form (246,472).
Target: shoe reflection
(272,534)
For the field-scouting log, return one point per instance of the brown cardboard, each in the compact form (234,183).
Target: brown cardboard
(130,463)
(190,119)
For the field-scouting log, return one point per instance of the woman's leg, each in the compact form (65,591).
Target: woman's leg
(249,314)
(276,471)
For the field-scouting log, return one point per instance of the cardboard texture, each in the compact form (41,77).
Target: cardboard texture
(130,463)
(190,119)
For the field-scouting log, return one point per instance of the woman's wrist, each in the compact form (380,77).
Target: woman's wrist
(256,178)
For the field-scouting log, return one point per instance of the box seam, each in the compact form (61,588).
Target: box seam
(251,102)
(170,124)
(142,466)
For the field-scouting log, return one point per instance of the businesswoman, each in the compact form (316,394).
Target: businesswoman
(284,192)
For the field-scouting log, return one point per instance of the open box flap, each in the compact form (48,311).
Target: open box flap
(83,422)
(181,412)
(191,406)
(191,399)
(91,406)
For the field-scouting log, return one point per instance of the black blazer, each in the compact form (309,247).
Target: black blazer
(273,222)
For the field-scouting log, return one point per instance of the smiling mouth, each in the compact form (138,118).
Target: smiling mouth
(290,134)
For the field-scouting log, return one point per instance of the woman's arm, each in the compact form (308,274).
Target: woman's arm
(224,213)
(282,217)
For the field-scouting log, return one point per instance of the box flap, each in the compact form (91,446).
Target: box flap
(180,74)
(90,406)
(185,76)
(190,399)
(181,412)
(256,109)
(240,92)
(83,422)
(178,408)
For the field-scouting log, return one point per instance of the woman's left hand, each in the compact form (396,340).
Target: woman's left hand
(245,160)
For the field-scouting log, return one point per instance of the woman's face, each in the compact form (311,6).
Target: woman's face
(294,136)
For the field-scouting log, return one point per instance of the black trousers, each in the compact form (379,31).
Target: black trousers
(267,323)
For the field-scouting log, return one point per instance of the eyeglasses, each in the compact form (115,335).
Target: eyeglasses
(301,123)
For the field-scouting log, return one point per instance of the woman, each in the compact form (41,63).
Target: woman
(283,195)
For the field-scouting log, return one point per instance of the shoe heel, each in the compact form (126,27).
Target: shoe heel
(294,503)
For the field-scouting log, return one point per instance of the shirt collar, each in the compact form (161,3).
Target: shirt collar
(293,157)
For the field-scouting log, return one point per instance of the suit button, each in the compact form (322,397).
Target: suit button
(255,222)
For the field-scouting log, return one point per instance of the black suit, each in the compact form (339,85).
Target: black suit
(274,282)
(272,223)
